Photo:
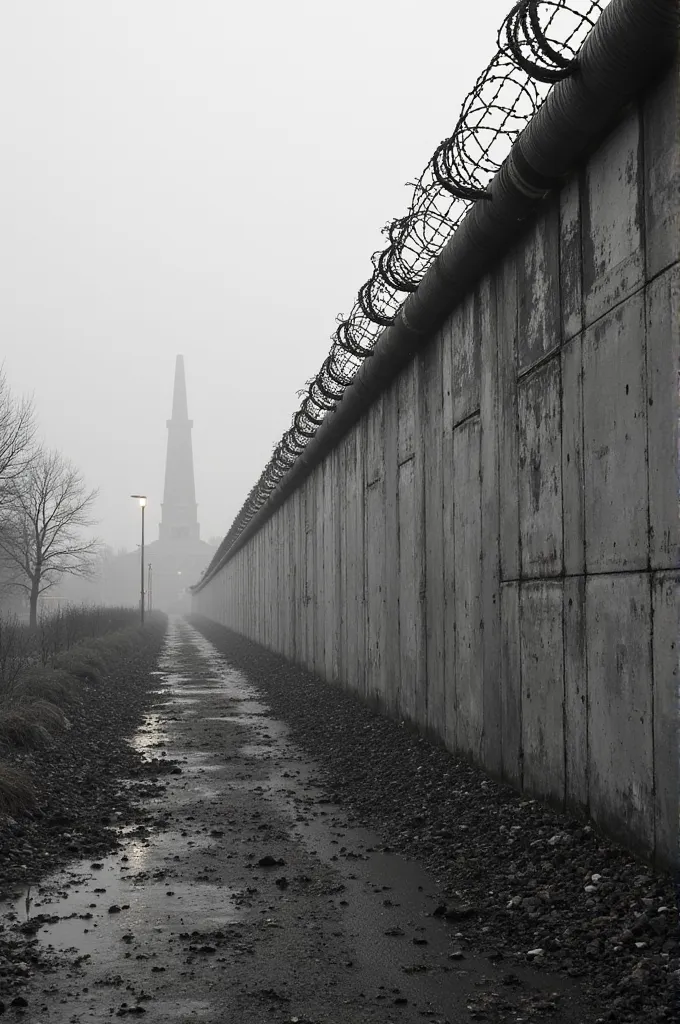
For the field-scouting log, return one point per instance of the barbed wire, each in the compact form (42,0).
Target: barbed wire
(537,45)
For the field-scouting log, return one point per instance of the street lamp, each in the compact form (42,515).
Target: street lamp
(142,504)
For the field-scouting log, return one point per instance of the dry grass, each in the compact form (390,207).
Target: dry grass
(121,643)
(52,684)
(16,791)
(30,705)
(89,661)
(26,723)
(84,664)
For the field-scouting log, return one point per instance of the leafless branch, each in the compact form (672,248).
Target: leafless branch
(46,509)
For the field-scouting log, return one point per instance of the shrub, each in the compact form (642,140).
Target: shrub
(52,684)
(30,723)
(16,791)
(83,661)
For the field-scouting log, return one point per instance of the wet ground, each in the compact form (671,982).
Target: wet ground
(246,895)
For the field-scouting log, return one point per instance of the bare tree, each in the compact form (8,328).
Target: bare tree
(48,507)
(17,427)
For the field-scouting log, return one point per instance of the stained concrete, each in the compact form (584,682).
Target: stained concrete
(487,552)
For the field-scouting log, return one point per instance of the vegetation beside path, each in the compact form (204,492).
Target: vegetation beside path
(63,722)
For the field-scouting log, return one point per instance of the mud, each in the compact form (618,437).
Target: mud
(185,921)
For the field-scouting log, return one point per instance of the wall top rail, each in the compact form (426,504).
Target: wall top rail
(631,42)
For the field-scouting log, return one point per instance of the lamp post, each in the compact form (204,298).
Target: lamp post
(149,589)
(142,504)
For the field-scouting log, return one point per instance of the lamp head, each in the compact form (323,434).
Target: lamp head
(141,498)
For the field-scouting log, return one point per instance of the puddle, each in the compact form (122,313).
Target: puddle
(183,1008)
(257,719)
(259,750)
(151,734)
(195,691)
(72,910)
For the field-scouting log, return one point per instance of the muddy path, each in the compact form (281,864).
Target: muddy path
(248,896)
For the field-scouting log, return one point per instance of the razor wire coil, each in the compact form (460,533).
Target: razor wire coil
(537,46)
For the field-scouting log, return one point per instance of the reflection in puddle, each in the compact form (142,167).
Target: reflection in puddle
(258,750)
(93,912)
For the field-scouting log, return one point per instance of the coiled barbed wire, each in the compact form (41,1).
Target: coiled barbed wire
(537,46)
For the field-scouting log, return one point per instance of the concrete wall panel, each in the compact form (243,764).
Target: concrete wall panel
(511,685)
(613,255)
(573,511)
(571,291)
(374,554)
(538,298)
(431,447)
(448,732)
(468,573)
(540,471)
(465,343)
(492,551)
(391,661)
(663,409)
(620,706)
(666,606)
(661,114)
(542,647)
(615,440)
(410,652)
(375,445)
(406,388)
(508,437)
(491,752)
(575,694)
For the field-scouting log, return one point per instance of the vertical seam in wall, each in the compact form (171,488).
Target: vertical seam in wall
(582,192)
(560,303)
(642,191)
(453,735)
(367,673)
(363,653)
(398,687)
(424,623)
(479,625)
(440,498)
(514,345)
(340,618)
(497,420)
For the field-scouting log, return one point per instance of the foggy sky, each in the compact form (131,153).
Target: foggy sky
(208,178)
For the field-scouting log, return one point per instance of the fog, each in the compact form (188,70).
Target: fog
(204,178)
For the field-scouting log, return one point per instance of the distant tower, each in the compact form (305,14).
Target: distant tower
(179,519)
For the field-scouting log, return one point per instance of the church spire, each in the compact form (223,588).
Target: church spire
(179,520)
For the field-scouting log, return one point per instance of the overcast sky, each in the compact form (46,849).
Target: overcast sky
(209,178)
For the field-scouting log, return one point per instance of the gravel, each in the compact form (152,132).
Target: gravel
(519,879)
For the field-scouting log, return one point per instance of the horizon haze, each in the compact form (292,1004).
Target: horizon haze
(206,180)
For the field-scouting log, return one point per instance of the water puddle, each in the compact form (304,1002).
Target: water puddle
(259,750)
(91,910)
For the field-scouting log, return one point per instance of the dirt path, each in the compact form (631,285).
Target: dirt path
(251,898)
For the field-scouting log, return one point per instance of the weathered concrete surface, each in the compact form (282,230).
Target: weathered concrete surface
(620,700)
(483,553)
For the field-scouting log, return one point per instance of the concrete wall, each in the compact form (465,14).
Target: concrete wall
(492,551)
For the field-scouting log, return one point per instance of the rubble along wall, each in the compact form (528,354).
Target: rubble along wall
(491,552)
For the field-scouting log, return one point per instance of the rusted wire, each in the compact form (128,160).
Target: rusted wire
(537,45)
